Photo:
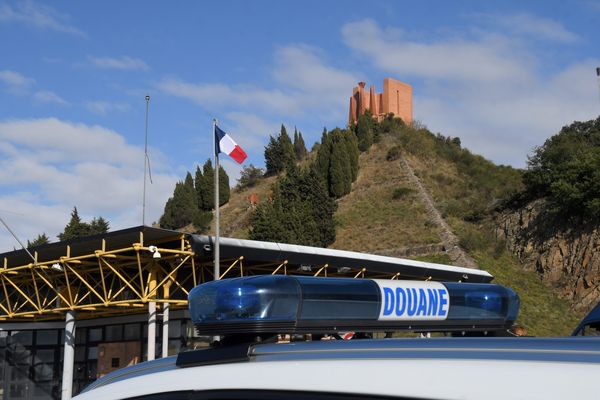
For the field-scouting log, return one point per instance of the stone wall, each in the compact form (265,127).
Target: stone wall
(567,257)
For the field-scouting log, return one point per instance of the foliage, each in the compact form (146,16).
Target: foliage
(337,161)
(249,177)
(566,171)
(401,192)
(301,211)
(394,153)
(280,153)
(478,185)
(205,187)
(299,146)
(77,228)
(364,131)
(40,240)
(182,209)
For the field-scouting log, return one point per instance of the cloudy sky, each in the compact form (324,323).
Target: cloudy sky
(502,76)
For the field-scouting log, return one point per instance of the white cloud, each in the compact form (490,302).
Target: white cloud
(39,16)
(45,96)
(486,59)
(490,93)
(305,83)
(123,62)
(530,25)
(105,107)
(47,166)
(215,95)
(16,82)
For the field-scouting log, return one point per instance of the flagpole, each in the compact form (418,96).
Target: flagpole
(216,271)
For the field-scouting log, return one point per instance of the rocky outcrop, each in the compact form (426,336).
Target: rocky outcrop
(566,256)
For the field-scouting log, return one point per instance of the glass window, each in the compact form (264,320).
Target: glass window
(80,353)
(44,356)
(80,335)
(174,346)
(95,334)
(92,353)
(23,337)
(43,372)
(131,332)
(49,336)
(114,333)
(174,329)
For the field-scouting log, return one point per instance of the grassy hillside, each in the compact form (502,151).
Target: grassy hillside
(384,215)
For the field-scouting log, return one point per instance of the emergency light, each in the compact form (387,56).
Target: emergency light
(280,304)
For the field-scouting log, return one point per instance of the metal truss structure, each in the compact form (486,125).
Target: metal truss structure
(123,272)
(124,280)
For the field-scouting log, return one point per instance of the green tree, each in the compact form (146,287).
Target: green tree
(40,240)
(301,211)
(98,226)
(279,153)
(299,146)
(204,186)
(566,171)
(182,209)
(75,228)
(364,131)
(224,189)
(249,177)
(273,157)
(340,168)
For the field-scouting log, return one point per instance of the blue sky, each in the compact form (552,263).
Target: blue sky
(502,76)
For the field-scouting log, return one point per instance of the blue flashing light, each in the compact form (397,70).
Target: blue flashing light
(299,304)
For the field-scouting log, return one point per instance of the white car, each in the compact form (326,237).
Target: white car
(249,364)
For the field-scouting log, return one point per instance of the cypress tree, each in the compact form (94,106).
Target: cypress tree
(182,209)
(288,153)
(224,189)
(340,170)
(301,211)
(273,157)
(75,228)
(199,185)
(299,145)
(364,131)
(351,143)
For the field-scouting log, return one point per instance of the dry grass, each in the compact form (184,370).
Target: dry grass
(235,215)
(370,218)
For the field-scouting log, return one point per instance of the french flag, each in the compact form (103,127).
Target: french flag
(225,144)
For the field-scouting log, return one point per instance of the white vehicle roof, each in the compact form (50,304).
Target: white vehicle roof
(440,368)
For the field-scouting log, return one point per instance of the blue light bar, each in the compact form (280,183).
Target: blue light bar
(298,304)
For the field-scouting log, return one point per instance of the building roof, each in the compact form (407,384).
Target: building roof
(310,258)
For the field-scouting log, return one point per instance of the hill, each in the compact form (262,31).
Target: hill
(423,196)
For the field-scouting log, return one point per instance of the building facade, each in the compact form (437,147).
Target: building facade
(396,99)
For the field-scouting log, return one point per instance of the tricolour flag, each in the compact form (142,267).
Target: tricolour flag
(225,144)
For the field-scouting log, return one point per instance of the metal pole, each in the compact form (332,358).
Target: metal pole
(165,321)
(145,163)
(152,317)
(151,330)
(217,269)
(68,356)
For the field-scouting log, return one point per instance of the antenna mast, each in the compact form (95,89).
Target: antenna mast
(145,163)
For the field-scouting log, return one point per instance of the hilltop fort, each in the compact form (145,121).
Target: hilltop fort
(395,99)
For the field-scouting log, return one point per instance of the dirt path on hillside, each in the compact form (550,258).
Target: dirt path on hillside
(457,255)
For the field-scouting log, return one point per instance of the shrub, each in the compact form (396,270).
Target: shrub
(400,192)
(394,153)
